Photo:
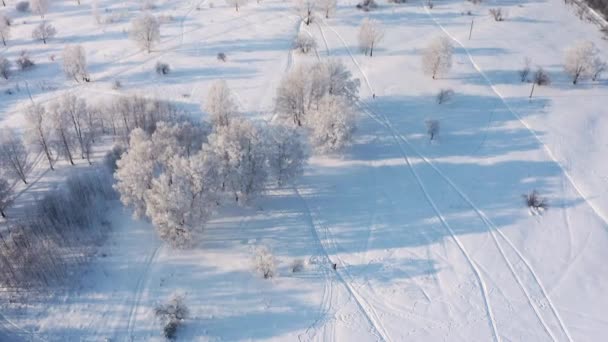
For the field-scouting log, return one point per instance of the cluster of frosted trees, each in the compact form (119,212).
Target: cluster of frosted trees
(320,98)
(181,172)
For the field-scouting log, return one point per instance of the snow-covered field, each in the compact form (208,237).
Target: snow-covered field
(432,241)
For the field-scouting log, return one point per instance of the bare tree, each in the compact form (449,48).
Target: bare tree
(437,57)
(64,137)
(444,95)
(598,67)
(580,59)
(14,157)
(39,130)
(145,31)
(370,34)
(5,196)
(305,9)
(40,7)
(541,78)
(44,32)
(525,70)
(5,28)
(236,3)
(328,7)
(75,63)
(498,14)
(432,128)
(5,67)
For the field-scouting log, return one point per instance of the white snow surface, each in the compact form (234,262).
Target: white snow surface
(432,241)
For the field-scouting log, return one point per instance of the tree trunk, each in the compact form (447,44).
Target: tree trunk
(371,51)
(532,91)
(2,213)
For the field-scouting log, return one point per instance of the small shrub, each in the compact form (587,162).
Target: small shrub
(170,330)
(541,78)
(367,5)
(162,68)
(535,203)
(444,95)
(24,62)
(297,265)
(498,14)
(116,84)
(304,43)
(432,128)
(264,262)
(222,57)
(23,6)
(110,159)
(525,71)
(172,314)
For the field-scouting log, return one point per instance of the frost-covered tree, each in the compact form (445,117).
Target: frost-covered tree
(264,262)
(237,3)
(287,154)
(65,138)
(242,154)
(5,67)
(332,125)
(370,34)
(292,95)
(179,204)
(580,59)
(40,7)
(74,110)
(437,57)
(44,31)
(5,28)
(304,43)
(75,63)
(14,156)
(305,9)
(220,104)
(339,80)
(328,7)
(5,196)
(135,172)
(39,131)
(145,31)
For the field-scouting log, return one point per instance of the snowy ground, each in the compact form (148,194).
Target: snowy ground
(432,241)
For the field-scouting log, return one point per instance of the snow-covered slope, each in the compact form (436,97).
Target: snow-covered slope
(432,241)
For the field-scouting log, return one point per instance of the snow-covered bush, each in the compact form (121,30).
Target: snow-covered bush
(432,128)
(24,61)
(370,34)
(535,203)
(444,95)
(222,57)
(264,262)
(44,31)
(498,14)
(145,31)
(437,57)
(75,63)
(5,67)
(305,43)
(172,315)
(162,68)
(297,266)
(580,59)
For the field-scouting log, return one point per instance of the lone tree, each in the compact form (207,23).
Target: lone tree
(370,34)
(580,60)
(75,63)
(305,9)
(14,157)
(437,57)
(145,31)
(44,32)
(236,3)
